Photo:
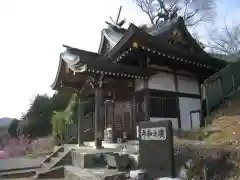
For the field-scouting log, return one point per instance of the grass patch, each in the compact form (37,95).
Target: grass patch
(197,135)
(235,172)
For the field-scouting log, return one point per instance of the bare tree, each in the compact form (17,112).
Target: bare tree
(226,41)
(192,11)
(197,39)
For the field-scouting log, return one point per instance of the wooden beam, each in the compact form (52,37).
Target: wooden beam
(156,93)
(177,99)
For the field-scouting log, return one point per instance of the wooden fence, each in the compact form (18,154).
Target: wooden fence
(219,86)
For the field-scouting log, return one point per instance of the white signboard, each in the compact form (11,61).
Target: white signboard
(156,133)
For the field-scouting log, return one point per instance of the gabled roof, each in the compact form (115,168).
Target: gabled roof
(119,40)
(113,34)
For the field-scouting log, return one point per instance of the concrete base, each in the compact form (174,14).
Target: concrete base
(76,173)
(89,157)
(132,146)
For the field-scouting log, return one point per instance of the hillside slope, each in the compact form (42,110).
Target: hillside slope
(226,121)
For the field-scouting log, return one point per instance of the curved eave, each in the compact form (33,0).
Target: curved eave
(215,62)
(101,42)
(57,82)
(126,37)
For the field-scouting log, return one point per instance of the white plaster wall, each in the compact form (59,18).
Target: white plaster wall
(162,81)
(187,105)
(174,121)
(188,85)
(139,84)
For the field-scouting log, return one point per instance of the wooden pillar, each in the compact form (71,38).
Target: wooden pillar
(221,90)
(134,116)
(177,99)
(114,137)
(202,123)
(97,118)
(106,105)
(207,100)
(146,101)
(102,114)
(80,117)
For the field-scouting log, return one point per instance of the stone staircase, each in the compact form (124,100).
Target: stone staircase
(60,156)
(77,164)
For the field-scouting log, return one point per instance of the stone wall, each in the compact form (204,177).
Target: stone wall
(197,160)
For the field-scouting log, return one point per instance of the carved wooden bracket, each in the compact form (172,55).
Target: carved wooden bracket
(93,82)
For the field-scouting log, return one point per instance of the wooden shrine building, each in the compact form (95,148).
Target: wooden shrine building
(139,76)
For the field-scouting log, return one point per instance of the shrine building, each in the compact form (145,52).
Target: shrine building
(139,76)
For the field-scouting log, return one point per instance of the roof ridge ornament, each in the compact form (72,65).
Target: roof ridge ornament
(117,23)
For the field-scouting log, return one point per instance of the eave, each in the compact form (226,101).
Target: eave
(134,34)
(116,70)
(56,83)
(92,64)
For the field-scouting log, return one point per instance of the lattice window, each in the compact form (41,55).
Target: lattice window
(118,122)
(126,121)
(165,107)
(139,106)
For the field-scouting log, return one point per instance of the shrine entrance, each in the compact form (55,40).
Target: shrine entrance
(119,117)
(123,121)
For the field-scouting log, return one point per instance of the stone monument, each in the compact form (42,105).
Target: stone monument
(156,152)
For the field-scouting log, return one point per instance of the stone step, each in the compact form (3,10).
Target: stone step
(76,173)
(60,154)
(56,151)
(88,160)
(63,158)
(54,160)
(57,172)
(18,174)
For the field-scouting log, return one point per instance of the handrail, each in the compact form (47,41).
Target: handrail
(89,114)
(89,129)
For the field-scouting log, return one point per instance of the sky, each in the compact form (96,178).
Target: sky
(32,33)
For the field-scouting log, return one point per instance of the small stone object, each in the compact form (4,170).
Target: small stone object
(124,150)
(139,174)
(119,140)
(118,161)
